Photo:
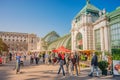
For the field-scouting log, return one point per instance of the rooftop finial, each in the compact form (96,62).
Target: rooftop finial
(88,1)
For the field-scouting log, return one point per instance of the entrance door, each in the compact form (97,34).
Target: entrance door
(79,41)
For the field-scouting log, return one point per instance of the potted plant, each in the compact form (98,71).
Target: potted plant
(103,65)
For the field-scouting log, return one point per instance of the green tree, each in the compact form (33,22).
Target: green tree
(3,46)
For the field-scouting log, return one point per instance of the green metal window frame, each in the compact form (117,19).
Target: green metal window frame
(97,40)
(115,35)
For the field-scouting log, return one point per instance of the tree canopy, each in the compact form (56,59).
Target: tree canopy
(3,46)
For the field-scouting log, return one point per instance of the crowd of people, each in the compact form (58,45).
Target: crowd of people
(18,57)
(69,62)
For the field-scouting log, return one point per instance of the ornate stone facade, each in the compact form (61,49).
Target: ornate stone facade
(83,24)
(94,26)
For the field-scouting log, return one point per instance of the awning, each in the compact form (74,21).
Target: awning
(61,49)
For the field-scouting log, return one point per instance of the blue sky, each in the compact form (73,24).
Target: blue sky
(43,16)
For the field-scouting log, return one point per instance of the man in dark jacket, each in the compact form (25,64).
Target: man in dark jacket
(94,65)
(10,56)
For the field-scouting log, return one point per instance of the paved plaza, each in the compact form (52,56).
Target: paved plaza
(44,72)
(74,33)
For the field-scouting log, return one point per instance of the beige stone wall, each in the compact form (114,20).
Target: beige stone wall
(19,41)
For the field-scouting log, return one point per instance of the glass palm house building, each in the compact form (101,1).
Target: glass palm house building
(91,29)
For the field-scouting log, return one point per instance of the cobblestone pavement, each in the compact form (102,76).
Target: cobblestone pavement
(44,72)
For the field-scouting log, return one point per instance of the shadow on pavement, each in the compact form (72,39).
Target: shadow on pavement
(4,74)
(84,76)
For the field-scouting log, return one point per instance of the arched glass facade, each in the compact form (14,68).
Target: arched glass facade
(115,35)
(97,40)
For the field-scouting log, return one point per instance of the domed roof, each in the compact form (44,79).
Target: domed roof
(51,36)
(62,41)
(87,9)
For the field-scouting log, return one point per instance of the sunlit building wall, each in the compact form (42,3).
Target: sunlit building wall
(19,41)
(99,30)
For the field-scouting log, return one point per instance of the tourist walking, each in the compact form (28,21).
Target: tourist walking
(94,65)
(71,67)
(74,61)
(67,62)
(43,55)
(52,57)
(18,57)
(36,58)
(61,63)
(31,58)
(25,56)
(46,58)
(10,56)
(77,56)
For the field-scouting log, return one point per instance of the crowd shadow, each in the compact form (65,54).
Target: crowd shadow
(4,75)
(46,74)
(84,76)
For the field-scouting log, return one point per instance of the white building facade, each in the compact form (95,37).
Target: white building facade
(91,26)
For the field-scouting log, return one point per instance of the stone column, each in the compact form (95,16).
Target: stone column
(106,38)
(102,41)
(85,38)
(90,36)
(109,39)
(93,39)
(72,40)
(102,38)
(82,32)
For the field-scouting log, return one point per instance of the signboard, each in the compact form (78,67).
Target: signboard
(116,67)
(116,61)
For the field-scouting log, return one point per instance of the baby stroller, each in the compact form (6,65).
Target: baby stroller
(22,63)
